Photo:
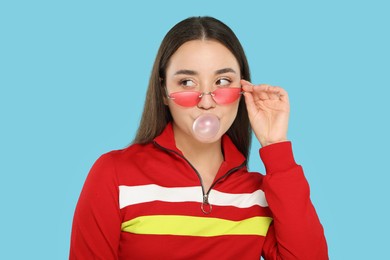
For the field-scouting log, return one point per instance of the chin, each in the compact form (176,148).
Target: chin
(208,140)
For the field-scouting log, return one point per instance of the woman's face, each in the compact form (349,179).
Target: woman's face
(202,65)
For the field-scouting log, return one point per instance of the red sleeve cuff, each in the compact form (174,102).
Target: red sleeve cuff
(277,157)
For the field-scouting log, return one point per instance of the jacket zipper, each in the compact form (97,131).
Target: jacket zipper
(206,207)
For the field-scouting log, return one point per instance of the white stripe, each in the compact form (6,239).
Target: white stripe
(130,195)
(242,200)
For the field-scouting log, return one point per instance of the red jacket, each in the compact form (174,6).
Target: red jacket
(147,202)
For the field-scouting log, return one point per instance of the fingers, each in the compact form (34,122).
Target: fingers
(245,82)
(265,91)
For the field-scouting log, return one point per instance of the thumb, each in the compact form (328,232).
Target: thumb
(250,104)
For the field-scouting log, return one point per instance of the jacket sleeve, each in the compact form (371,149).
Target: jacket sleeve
(97,221)
(296,232)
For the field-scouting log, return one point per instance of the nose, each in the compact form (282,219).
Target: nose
(206,101)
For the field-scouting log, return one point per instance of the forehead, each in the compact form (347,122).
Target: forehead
(202,56)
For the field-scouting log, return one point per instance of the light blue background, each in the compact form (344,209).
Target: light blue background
(73,76)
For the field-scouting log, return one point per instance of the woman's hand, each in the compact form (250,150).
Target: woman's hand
(268,109)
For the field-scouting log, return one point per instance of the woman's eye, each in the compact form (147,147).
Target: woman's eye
(187,83)
(223,82)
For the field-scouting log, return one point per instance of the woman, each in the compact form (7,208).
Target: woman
(182,190)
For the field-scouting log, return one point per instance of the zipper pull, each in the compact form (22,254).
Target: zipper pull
(206,206)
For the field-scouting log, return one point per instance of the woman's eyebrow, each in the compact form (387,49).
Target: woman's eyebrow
(194,73)
(186,72)
(225,70)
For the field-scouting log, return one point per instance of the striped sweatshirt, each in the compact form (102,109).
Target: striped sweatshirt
(147,202)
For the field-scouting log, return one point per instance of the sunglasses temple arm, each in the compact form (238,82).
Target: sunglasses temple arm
(168,96)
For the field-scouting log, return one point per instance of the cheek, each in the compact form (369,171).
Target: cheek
(229,116)
(179,114)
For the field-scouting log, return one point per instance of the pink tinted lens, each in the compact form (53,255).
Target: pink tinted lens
(221,96)
(225,96)
(186,98)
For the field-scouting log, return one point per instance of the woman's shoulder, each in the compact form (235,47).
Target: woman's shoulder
(128,154)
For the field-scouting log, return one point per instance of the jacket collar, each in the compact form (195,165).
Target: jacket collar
(232,156)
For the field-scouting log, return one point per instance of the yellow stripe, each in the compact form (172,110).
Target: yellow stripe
(196,226)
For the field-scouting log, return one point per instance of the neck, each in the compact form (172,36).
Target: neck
(205,157)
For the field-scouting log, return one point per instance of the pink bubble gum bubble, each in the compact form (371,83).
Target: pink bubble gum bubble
(206,127)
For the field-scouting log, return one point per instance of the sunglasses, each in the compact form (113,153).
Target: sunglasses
(221,96)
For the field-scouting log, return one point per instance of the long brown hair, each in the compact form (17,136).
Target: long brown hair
(156,114)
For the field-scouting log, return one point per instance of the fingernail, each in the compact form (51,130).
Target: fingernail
(245,81)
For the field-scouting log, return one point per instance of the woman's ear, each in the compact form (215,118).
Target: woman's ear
(165,100)
(164,91)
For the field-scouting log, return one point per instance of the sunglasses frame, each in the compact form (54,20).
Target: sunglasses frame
(200,95)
